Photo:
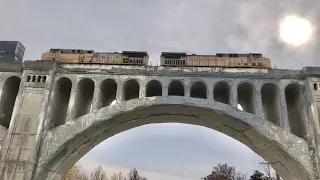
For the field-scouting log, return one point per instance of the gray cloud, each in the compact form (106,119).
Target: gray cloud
(202,27)
(173,149)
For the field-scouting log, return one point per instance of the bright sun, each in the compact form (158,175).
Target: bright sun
(295,30)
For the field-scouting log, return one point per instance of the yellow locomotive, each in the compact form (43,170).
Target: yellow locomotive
(173,59)
(80,56)
(252,60)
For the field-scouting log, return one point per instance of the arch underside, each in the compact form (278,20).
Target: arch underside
(66,144)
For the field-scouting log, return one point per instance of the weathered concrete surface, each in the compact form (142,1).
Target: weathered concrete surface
(21,141)
(3,134)
(313,114)
(64,145)
(184,71)
(11,67)
(55,144)
(20,145)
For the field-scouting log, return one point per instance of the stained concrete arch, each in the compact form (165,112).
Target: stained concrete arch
(65,145)
(222,92)
(199,89)
(9,94)
(246,96)
(131,89)
(153,88)
(60,102)
(293,92)
(270,96)
(176,88)
(84,97)
(107,92)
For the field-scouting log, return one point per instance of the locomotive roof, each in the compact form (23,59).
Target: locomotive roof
(173,54)
(72,51)
(181,54)
(135,53)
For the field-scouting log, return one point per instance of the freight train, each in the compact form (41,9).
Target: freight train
(172,59)
(252,60)
(139,58)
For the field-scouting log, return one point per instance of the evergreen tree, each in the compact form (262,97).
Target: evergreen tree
(258,176)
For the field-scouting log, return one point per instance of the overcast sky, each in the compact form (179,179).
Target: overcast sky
(203,27)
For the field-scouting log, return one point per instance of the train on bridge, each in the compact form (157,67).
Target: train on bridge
(139,58)
(172,59)
(252,60)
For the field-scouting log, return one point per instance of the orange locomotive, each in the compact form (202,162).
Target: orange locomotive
(173,59)
(79,56)
(251,60)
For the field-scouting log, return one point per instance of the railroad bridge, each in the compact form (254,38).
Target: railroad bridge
(52,114)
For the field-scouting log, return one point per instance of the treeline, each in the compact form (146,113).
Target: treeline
(219,172)
(225,172)
(76,173)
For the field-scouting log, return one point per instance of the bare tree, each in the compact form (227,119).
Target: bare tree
(70,175)
(75,173)
(240,176)
(268,170)
(134,175)
(117,176)
(98,174)
(82,176)
(258,176)
(224,172)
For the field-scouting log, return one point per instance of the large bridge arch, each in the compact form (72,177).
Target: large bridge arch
(66,144)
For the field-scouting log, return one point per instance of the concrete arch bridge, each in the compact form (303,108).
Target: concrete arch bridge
(52,114)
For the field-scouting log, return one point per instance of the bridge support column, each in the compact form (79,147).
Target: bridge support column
(20,150)
(187,90)
(71,102)
(96,93)
(119,94)
(165,91)
(284,113)
(258,102)
(210,92)
(234,95)
(165,87)
(142,90)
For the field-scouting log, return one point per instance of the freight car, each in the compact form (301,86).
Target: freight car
(80,56)
(252,60)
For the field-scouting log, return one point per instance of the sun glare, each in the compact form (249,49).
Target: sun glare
(113,102)
(295,30)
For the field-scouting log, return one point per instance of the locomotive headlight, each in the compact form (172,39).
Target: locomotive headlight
(295,30)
